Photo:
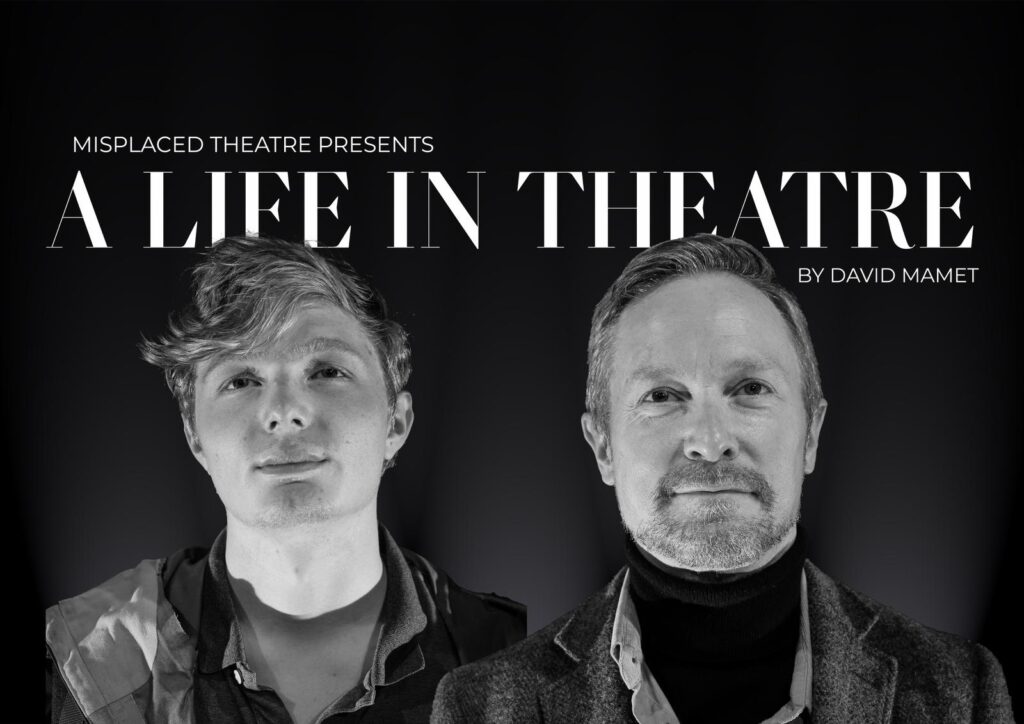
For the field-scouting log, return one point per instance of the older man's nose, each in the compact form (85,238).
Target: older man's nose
(707,436)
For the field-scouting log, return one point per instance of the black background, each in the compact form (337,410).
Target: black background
(914,498)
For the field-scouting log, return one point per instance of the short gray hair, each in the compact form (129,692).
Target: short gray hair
(245,290)
(689,256)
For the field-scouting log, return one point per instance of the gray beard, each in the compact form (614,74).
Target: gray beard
(719,545)
(711,540)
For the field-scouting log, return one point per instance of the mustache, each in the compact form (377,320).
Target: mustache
(692,475)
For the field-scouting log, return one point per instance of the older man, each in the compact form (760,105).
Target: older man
(704,408)
(290,379)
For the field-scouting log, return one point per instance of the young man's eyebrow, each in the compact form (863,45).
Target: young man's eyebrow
(320,344)
(312,346)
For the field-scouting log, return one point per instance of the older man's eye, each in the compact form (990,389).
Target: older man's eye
(329,372)
(660,396)
(754,388)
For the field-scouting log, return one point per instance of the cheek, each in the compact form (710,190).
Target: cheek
(644,446)
(223,436)
(640,457)
(351,426)
(783,458)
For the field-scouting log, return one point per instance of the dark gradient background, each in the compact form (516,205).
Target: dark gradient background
(914,499)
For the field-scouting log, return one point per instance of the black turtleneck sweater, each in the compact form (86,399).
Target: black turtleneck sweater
(721,651)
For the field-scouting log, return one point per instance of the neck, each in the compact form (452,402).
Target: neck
(305,571)
(777,584)
(716,618)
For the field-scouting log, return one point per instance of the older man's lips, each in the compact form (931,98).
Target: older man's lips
(711,492)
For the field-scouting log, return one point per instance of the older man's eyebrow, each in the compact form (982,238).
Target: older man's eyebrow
(752,365)
(741,365)
(644,373)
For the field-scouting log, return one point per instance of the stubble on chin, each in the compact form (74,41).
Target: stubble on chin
(710,542)
(292,506)
(715,537)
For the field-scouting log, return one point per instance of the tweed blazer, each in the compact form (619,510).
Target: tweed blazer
(870,664)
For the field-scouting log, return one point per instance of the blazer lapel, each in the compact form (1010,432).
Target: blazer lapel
(591,689)
(851,680)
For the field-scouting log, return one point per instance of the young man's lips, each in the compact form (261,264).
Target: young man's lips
(292,468)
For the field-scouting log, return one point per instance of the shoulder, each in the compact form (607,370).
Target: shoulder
(888,630)
(480,623)
(505,686)
(129,601)
(534,660)
(931,666)
(124,605)
(102,644)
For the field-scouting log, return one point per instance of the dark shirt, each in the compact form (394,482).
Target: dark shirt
(430,625)
(398,687)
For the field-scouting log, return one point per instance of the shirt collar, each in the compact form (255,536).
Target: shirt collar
(396,655)
(220,638)
(649,700)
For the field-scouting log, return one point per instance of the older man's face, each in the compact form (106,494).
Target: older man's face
(707,442)
(298,432)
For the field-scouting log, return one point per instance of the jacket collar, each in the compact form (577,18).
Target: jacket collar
(592,689)
(853,680)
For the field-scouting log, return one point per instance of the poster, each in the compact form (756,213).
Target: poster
(915,496)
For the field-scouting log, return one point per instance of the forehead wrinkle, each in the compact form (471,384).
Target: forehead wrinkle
(761,363)
(648,372)
(310,346)
(727,329)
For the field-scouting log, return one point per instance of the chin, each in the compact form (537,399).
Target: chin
(280,518)
(291,505)
(715,542)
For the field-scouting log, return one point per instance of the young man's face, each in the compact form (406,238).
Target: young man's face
(298,432)
(707,440)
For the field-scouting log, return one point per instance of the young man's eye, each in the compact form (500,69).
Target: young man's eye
(239,383)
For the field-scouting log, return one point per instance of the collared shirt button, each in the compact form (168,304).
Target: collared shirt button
(238,675)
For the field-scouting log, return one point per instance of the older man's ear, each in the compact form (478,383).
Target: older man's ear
(597,437)
(813,433)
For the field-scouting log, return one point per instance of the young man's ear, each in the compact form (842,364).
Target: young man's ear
(597,438)
(193,443)
(399,425)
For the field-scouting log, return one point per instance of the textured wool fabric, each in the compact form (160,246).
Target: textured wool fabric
(871,666)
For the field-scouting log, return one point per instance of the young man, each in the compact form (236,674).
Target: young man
(290,379)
